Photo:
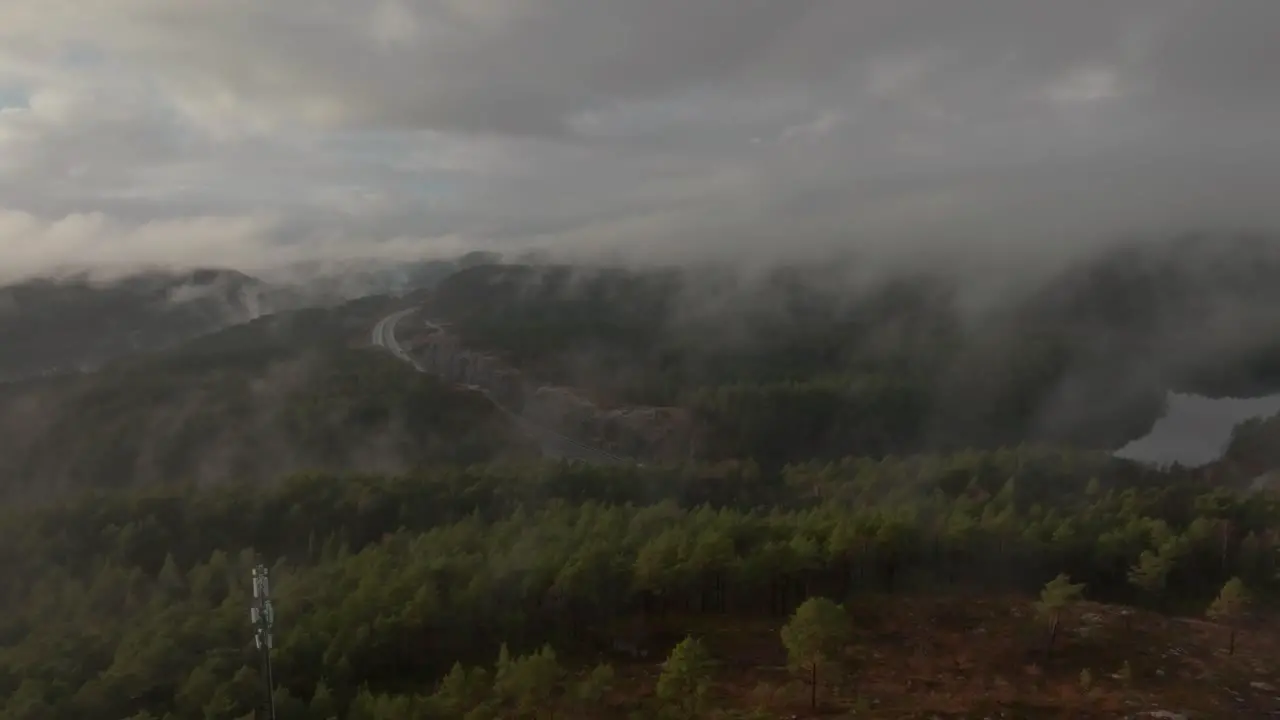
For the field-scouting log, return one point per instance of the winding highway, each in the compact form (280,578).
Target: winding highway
(384,335)
(552,443)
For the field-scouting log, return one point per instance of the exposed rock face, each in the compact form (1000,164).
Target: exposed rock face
(664,432)
(660,433)
(560,407)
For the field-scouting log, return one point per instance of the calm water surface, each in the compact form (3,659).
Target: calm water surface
(1195,430)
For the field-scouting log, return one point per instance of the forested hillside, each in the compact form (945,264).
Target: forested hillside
(285,393)
(396,594)
(80,321)
(867,526)
(805,362)
(66,324)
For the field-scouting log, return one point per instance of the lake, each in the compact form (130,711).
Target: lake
(1195,430)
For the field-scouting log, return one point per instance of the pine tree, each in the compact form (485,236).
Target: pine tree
(1229,607)
(170,579)
(456,693)
(533,682)
(502,671)
(815,637)
(591,690)
(322,705)
(1058,595)
(685,679)
(1151,573)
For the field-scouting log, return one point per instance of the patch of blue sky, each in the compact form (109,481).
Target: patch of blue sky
(73,57)
(82,56)
(14,97)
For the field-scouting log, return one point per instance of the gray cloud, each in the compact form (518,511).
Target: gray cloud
(1003,132)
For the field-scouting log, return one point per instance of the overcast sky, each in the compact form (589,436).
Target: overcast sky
(252,132)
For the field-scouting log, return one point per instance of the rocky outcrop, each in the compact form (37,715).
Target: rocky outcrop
(657,433)
(665,432)
(661,432)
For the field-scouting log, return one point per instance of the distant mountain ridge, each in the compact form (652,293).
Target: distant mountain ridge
(77,322)
(286,392)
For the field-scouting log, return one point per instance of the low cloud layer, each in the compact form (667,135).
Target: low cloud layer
(254,134)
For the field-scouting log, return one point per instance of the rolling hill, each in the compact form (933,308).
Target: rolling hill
(800,361)
(283,393)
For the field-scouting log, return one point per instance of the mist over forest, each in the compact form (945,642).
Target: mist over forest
(765,416)
(728,359)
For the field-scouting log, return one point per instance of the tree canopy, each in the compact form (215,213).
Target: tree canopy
(815,636)
(397,592)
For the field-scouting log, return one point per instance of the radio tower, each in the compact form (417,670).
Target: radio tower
(263,617)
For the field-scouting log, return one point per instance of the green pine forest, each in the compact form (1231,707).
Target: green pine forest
(500,590)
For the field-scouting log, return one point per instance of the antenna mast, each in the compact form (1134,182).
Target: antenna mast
(263,617)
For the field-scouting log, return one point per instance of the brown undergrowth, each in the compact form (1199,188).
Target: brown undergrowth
(979,657)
